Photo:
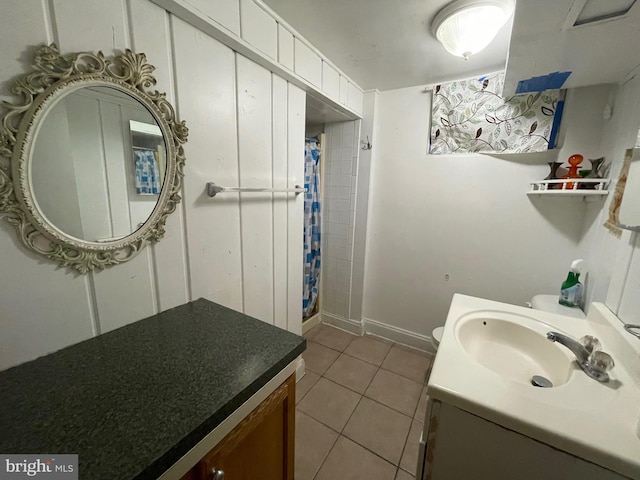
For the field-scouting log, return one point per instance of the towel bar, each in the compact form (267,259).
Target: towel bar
(213,189)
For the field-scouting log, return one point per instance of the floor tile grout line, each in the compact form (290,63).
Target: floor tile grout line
(390,407)
(340,385)
(327,456)
(404,447)
(341,434)
(347,354)
(314,383)
(362,395)
(357,393)
(345,425)
(354,410)
(403,376)
(413,419)
(369,450)
(337,438)
(363,360)
(333,348)
(378,368)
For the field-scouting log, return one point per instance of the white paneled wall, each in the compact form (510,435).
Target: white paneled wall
(259,28)
(251,28)
(224,12)
(308,63)
(285,47)
(246,126)
(340,162)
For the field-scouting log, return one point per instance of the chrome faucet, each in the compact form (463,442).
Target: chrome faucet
(633,329)
(593,362)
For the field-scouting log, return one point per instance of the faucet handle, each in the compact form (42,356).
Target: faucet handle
(601,362)
(590,343)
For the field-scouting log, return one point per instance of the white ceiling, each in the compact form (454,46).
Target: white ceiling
(386,44)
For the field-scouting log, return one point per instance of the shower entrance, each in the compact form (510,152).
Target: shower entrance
(312,226)
(331,159)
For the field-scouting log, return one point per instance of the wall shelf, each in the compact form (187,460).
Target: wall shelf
(576,187)
(569,193)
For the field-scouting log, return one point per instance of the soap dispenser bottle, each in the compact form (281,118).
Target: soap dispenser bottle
(571,290)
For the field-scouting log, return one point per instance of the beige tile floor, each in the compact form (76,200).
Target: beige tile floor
(360,407)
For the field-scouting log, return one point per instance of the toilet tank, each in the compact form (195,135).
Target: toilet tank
(549,303)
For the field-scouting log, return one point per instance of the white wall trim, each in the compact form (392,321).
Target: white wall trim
(379,329)
(311,322)
(196,18)
(281,21)
(351,326)
(398,335)
(300,368)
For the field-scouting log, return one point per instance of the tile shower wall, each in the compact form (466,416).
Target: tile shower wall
(340,174)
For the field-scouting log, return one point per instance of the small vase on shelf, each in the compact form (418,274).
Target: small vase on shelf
(574,161)
(553,175)
(596,164)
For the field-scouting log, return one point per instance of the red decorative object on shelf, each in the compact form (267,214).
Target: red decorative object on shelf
(574,161)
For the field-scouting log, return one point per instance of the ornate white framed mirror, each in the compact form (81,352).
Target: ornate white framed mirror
(93,159)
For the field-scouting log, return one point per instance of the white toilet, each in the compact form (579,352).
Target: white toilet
(546,303)
(436,337)
(549,303)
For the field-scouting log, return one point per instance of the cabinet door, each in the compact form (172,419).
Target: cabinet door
(262,445)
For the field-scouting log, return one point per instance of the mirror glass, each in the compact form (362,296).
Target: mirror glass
(97,164)
(629,213)
(96,158)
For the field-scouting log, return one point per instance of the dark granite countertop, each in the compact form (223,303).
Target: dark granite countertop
(133,401)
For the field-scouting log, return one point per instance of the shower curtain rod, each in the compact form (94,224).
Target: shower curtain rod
(213,189)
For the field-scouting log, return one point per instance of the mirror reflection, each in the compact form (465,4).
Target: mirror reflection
(98,164)
(629,213)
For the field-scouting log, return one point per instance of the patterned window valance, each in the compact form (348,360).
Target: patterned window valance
(472,116)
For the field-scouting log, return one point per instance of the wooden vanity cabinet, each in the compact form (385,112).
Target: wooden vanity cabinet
(260,446)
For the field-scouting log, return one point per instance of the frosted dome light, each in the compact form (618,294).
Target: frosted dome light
(465,27)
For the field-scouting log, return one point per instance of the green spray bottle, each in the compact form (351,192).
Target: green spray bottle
(571,289)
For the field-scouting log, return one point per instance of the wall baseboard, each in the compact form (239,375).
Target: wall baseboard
(351,326)
(300,368)
(379,329)
(398,335)
(311,322)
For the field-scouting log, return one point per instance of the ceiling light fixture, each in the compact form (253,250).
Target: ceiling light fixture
(464,27)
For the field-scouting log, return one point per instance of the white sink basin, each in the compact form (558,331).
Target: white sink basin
(513,346)
(489,352)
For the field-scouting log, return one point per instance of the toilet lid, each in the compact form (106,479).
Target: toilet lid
(437,334)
